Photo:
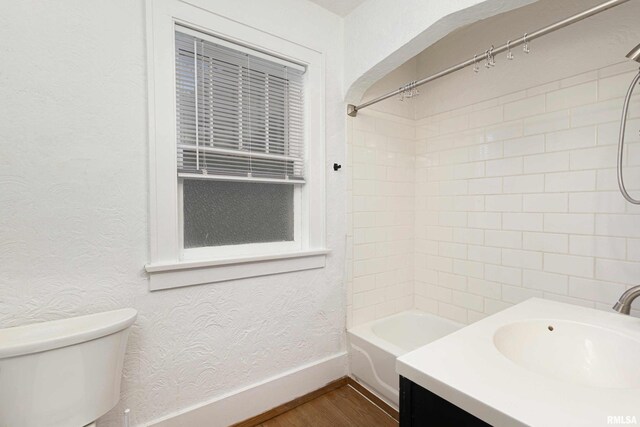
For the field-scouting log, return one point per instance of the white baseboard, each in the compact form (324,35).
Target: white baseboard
(260,397)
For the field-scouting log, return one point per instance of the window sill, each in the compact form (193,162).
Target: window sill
(188,273)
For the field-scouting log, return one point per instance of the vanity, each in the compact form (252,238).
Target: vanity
(538,363)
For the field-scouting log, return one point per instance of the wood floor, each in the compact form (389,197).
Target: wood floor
(341,407)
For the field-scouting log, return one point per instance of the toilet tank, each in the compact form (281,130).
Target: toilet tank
(63,373)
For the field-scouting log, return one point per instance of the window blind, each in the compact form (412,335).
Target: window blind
(239,116)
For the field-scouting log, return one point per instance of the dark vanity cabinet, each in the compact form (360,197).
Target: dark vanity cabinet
(421,408)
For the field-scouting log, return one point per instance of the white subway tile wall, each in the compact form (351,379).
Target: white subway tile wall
(493,203)
(552,224)
(381,209)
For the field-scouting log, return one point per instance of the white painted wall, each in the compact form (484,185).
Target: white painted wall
(74,206)
(400,76)
(590,44)
(380,35)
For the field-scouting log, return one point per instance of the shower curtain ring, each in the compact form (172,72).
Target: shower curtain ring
(509,53)
(525,48)
(476,68)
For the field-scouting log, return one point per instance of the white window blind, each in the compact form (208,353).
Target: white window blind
(239,116)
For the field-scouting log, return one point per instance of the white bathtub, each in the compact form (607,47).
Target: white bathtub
(374,347)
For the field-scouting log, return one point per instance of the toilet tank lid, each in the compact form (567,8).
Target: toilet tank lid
(43,336)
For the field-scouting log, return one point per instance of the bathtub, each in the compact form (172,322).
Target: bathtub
(374,347)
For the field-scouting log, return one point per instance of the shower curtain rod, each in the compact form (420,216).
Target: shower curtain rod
(352,110)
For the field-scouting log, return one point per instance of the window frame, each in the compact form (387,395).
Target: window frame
(170,264)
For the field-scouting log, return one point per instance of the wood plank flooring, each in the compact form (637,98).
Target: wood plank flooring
(341,407)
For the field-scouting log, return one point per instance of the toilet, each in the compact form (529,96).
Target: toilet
(63,373)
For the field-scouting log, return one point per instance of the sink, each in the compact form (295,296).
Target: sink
(573,352)
(579,365)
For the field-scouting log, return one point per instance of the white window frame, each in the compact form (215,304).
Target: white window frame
(170,265)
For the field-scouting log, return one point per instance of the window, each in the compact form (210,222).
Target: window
(240,144)
(247,123)
(218,213)
(237,164)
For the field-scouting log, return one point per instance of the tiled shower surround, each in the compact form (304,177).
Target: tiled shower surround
(381,212)
(467,212)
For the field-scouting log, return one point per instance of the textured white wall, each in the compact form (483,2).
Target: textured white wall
(74,196)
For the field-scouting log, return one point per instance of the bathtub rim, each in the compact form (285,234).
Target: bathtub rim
(366,333)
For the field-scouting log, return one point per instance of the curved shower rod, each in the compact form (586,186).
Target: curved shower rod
(352,110)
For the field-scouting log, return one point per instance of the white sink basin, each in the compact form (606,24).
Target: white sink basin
(509,369)
(574,352)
